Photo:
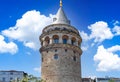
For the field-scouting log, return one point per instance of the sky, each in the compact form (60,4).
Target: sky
(98,21)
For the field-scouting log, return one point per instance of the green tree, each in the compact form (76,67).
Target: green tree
(42,80)
(30,78)
(111,80)
(25,78)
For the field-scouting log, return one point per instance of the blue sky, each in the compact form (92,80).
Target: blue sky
(98,21)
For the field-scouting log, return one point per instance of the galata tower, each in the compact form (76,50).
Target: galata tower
(60,50)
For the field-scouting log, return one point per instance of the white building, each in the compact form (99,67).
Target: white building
(7,76)
(87,80)
(115,79)
(102,79)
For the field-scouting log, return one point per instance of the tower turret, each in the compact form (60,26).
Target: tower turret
(60,50)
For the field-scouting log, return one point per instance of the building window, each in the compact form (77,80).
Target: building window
(73,41)
(42,59)
(3,79)
(56,39)
(74,52)
(65,38)
(65,50)
(47,40)
(56,56)
(11,73)
(55,50)
(64,41)
(3,72)
(79,43)
(74,58)
(11,79)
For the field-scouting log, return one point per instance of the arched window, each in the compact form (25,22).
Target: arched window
(73,40)
(79,43)
(47,40)
(56,56)
(64,41)
(56,39)
(65,38)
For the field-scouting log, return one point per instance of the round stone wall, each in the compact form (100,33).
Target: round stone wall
(61,55)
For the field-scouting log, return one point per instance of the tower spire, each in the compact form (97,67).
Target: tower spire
(60,3)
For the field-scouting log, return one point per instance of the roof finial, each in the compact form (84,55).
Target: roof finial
(60,3)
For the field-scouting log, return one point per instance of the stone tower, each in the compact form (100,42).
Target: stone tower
(60,50)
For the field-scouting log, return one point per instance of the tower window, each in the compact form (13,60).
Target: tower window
(47,41)
(65,38)
(73,41)
(74,52)
(56,39)
(65,50)
(74,58)
(56,56)
(42,59)
(64,41)
(55,50)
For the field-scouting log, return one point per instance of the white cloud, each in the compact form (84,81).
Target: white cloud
(29,28)
(5,47)
(92,77)
(116,23)
(84,47)
(114,48)
(106,59)
(116,29)
(100,31)
(37,69)
(84,36)
(28,53)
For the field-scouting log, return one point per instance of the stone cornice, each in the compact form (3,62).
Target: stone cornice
(63,46)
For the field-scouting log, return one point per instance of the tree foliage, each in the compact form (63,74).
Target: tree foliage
(28,78)
(111,80)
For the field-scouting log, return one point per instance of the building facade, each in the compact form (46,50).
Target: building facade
(87,80)
(102,79)
(7,76)
(60,50)
(115,79)
(107,79)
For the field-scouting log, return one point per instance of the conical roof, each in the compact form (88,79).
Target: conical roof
(60,17)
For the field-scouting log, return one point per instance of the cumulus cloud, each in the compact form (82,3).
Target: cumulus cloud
(107,59)
(37,69)
(28,28)
(84,47)
(84,36)
(5,47)
(100,31)
(116,23)
(116,30)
